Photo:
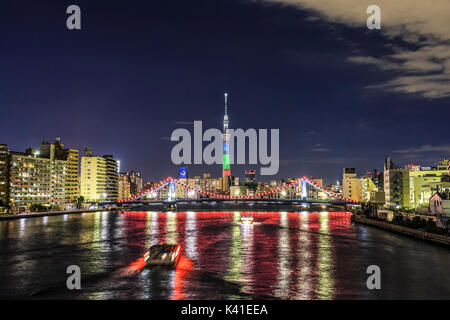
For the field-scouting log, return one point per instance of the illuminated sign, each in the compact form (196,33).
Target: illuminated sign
(182,173)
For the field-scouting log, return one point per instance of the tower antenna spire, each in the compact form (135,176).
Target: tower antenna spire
(226,103)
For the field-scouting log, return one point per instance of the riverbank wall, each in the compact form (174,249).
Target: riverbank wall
(418,234)
(51,213)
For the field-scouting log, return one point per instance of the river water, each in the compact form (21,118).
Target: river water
(283,255)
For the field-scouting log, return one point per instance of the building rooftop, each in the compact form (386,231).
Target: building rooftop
(444,195)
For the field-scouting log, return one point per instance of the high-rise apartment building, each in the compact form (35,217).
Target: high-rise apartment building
(72,186)
(56,151)
(112,178)
(4,174)
(135,181)
(351,184)
(36,180)
(367,188)
(130,184)
(99,178)
(396,185)
(205,183)
(124,187)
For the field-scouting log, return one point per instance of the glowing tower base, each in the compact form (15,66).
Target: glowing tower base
(226,171)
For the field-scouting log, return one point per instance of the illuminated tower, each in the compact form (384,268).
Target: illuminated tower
(226,172)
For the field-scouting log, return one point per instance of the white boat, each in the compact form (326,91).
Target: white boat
(246,220)
(163,255)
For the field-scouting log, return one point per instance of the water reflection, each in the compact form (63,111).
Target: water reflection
(247,232)
(153,227)
(234,254)
(287,255)
(191,236)
(22,227)
(282,290)
(304,281)
(171,227)
(325,260)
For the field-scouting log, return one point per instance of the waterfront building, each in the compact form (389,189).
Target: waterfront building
(72,183)
(440,204)
(377,197)
(421,184)
(135,181)
(124,187)
(112,178)
(396,188)
(36,180)
(56,151)
(427,190)
(4,174)
(367,187)
(412,186)
(99,177)
(396,185)
(351,184)
(204,183)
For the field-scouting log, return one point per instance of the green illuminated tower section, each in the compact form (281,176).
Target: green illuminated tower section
(226,172)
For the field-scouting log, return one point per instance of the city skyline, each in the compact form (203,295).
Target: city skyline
(286,67)
(229,153)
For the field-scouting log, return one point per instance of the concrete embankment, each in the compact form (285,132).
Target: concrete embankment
(418,234)
(51,213)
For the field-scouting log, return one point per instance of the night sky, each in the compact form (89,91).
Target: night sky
(339,93)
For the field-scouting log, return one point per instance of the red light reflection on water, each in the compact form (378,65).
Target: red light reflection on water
(291,255)
(135,266)
(184,267)
(185,264)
